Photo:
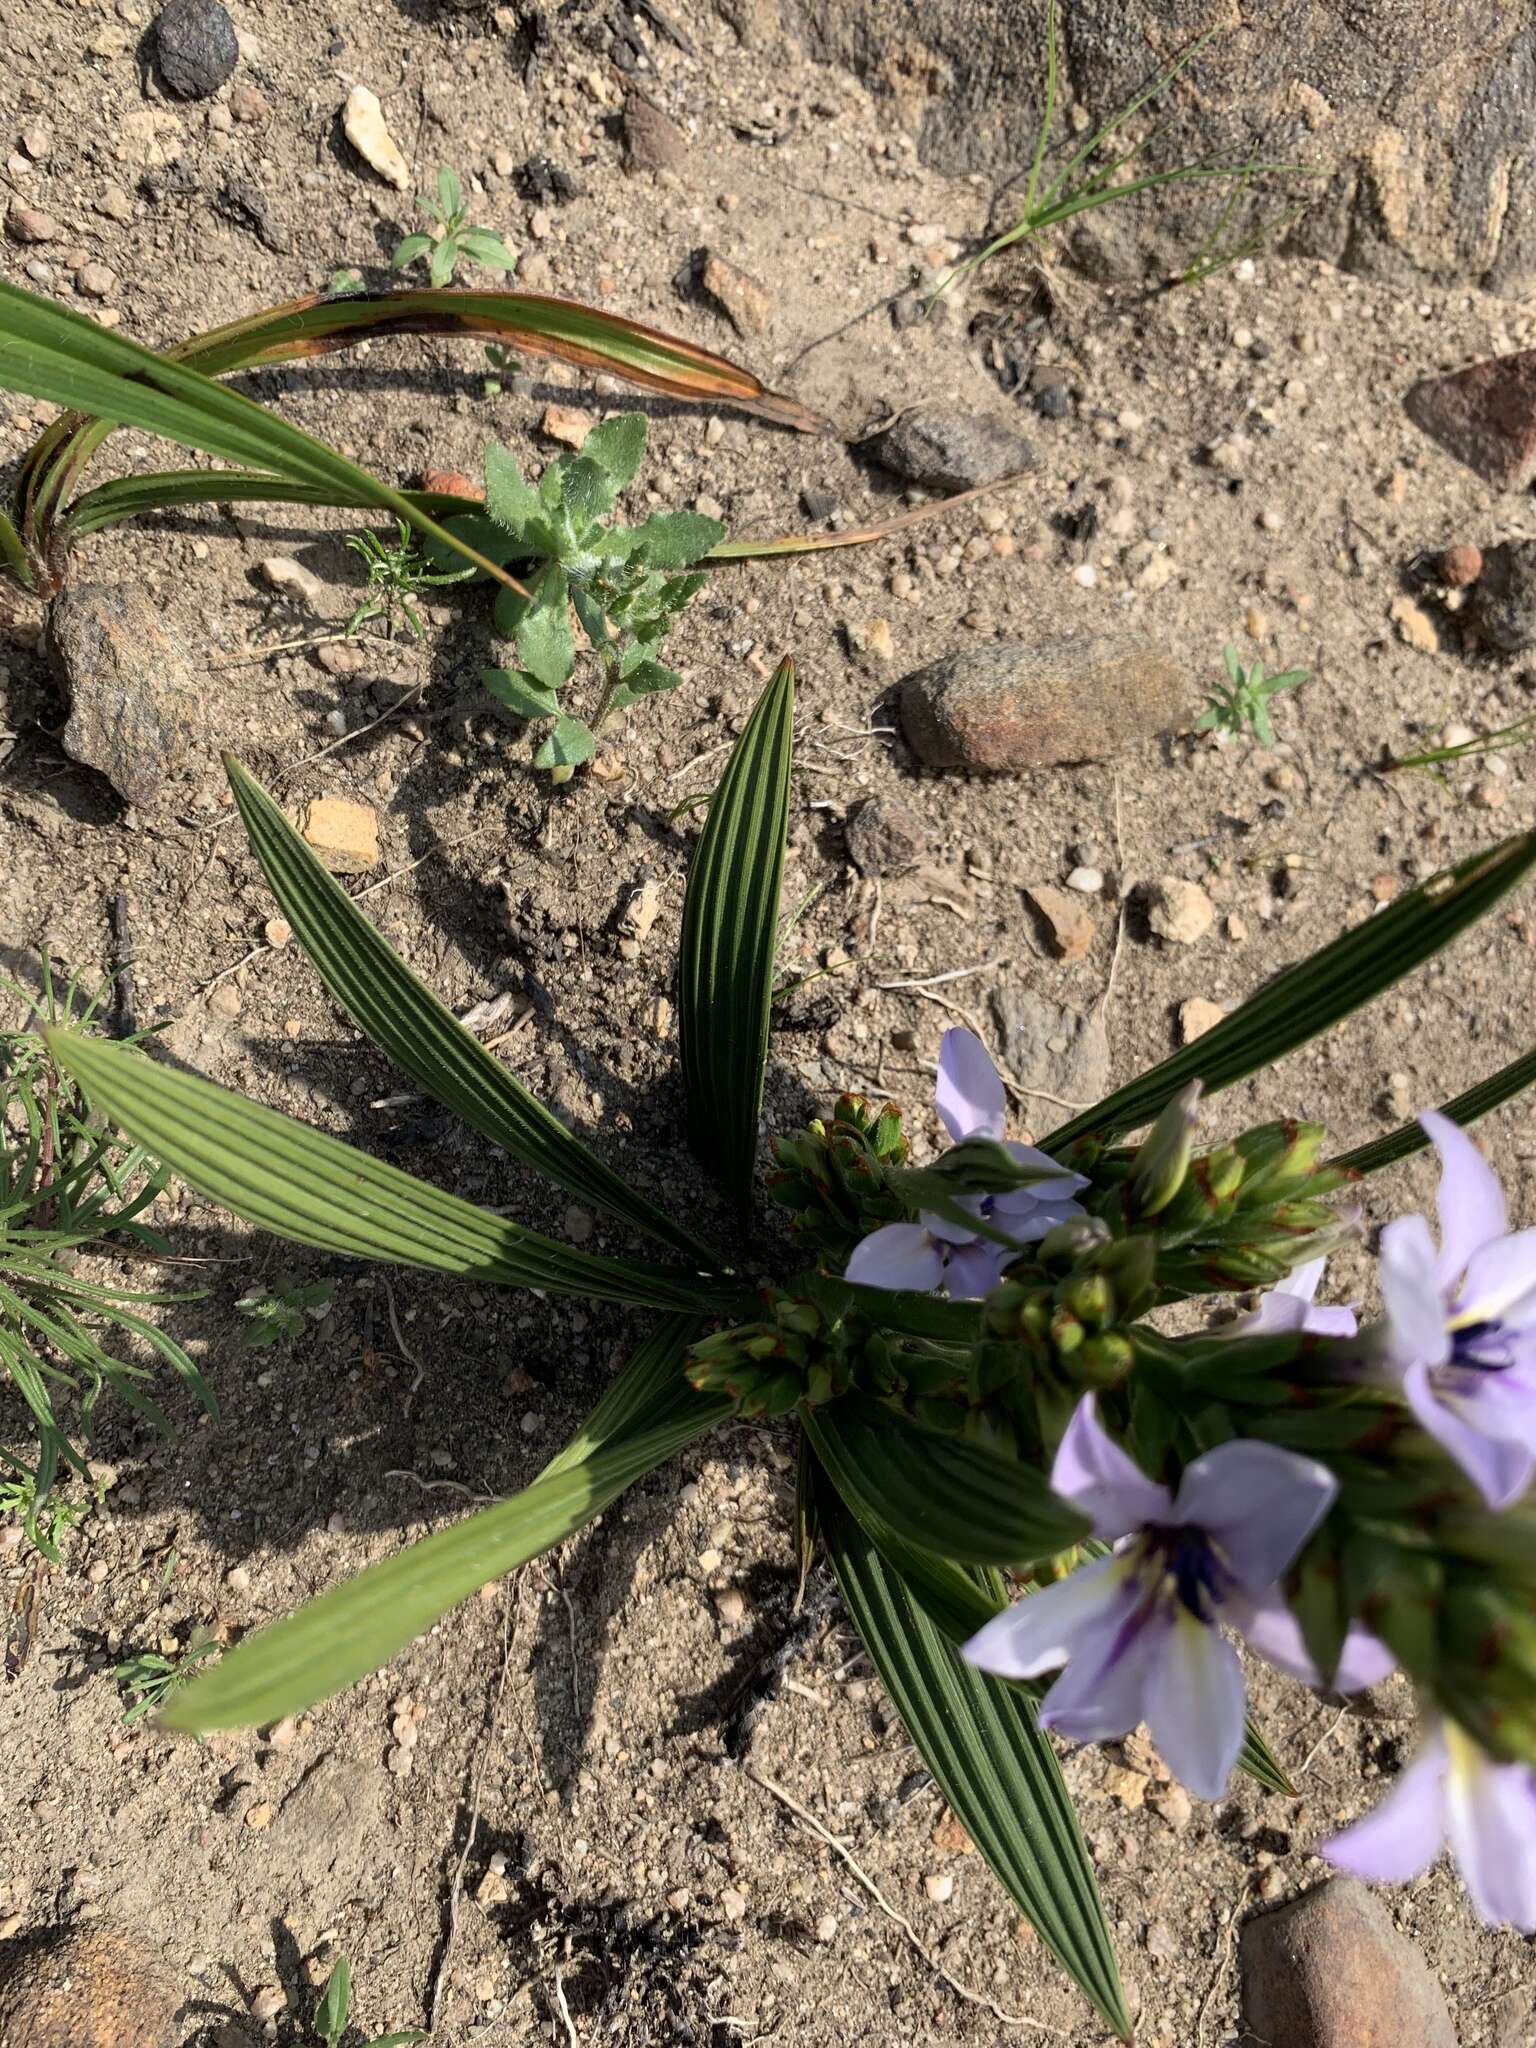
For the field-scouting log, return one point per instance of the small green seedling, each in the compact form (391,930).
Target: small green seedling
(334,2008)
(1243,704)
(397,574)
(149,1677)
(276,1315)
(626,584)
(51,1520)
(454,239)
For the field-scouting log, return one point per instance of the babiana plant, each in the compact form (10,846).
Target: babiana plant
(69,1184)
(455,238)
(985,1397)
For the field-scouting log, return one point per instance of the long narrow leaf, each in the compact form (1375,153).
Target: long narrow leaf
(944,1492)
(50,352)
(304,1185)
(980,1739)
(404,1019)
(730,925)
(1461,1109)
(649,1392)
(1315,994)
(335,1640)
(134,497)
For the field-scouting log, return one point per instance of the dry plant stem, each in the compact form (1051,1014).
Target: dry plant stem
(571,2034)
(1323,1741)
(1222,1961)
(934,980)
(965,1991)
(456,1889)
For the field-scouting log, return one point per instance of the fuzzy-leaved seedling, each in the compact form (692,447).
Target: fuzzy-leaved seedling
(150,1677)
(455,238)
(1241,704)
(277,1315)
(625,584)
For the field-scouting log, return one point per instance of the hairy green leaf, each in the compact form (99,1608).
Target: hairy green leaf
(524,695)
(304,1185)
(730,925)
(618,447)
(949,1495)
(545,644)
(570,744)
(676,540)
(405,1020)
(1316,993)
(997,1770)
(514,503)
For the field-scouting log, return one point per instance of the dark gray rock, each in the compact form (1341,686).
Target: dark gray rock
(1420,118)
(1329,1970)
(1484,415)
(1048,1046)
(195,47)
(885,836)
(950,448)
(652,140)
(1504,609)
(1018,704)
(135,707)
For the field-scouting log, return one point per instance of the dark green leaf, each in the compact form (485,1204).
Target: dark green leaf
(301,1184)
(586,490)
(618,446)
(336,2006)
(996,1769)
(675,540)
(568,745)
(952,1496)
(1316,993)
(513,502)
(545,644)
(1461,1109)
(730,924)
(645,678)
(406,1021)
(331,1642)
(594,621)
(649,1392)
(524,695)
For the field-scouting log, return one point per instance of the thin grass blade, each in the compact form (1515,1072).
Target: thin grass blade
(1461,1109)
(730,925)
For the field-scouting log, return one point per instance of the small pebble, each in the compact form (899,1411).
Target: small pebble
(37,141)
(940,1887)
(268,2003)
(733,1903)
(826,1927)
(259,1816)
(399,1760)
(30,224)
(277,931)
(1089,880)
(1086,575)
(731,1606)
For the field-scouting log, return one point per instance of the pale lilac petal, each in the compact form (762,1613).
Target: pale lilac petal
(1302,1281)
(1469,1200)
(1092,1472)
(1270,1629)
(1490,1821)
(1501,1281)
(1411,1293)
(973,1270)
(950,1232)
(1102,1693)
(969,1093)
(1403,1835)
(1056,1183)
(1026,1219)
(1196,1707)
(1043,1629)
(1289,1306)
(899,1255)
(1332,1319)
(1257,1503)
(1498,1467)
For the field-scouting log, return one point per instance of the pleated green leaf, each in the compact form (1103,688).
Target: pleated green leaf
(50,352)
(730,928)
(333,1641)
(1461,1109)
(404,1019)
(649,1392)
(301,1184)
(980,1739)
(1315,994)
(949,1495)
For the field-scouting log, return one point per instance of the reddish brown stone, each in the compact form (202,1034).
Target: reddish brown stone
(1329,1970)
(1485,416)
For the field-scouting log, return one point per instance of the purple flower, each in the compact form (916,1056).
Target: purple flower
(1140,1631)
(1289,1305)
(1461,1322)
(935,1252)
(1454,1793)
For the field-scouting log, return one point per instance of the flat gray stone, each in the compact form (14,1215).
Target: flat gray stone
(135,708)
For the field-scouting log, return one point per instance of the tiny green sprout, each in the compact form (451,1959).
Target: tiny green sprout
(1242,704)
(276,1315)
(627,585)
(397,573)
(150,1677)
(50,1520)
(335,2008)
(454,239)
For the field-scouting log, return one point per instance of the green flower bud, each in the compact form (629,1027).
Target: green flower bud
(1162,1160)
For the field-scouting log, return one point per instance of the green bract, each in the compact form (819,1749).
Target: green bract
(926,1425)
